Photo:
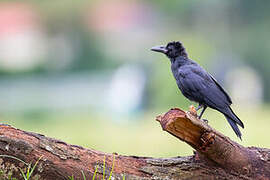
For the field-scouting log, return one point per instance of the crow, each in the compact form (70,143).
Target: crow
(198,85)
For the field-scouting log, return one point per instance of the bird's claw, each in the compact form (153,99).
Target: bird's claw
(192,110)
(205,120)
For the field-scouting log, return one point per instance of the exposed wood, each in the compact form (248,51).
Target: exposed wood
(215,147)
(217,156)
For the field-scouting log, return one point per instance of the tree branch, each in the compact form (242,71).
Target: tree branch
(217,156)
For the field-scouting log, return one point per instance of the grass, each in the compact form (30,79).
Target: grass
(112,166)
(94,176)
(104,164)
(95,172)
(29,170)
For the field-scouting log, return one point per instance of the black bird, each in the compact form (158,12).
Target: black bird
(198,85)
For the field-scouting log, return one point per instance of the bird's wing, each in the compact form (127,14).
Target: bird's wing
(200,85)
(219,86)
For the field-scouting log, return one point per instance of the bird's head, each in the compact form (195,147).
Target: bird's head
(172,50)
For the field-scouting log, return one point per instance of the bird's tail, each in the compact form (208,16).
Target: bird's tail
(233,121)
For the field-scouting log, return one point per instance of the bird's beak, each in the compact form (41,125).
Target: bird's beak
(161,49)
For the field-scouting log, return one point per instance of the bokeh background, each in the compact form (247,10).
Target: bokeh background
(82,71)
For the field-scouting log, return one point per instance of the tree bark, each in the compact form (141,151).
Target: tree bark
(216,157)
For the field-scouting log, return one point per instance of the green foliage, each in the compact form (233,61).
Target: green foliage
(13,157)
(94,175)
(71,178)
(29,170)
(112,167)
(104,164)
(104,171)
(84,178)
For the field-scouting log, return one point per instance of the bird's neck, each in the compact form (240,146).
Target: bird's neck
(180,60)
(184,53)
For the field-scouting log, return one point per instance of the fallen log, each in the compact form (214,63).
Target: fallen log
(216,156)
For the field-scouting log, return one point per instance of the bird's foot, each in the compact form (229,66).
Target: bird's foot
(205,120)
(199,107)
(192,110)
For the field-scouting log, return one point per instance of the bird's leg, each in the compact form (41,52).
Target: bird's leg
(204,108)
(199,107)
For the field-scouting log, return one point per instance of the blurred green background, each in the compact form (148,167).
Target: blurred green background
(82,71)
